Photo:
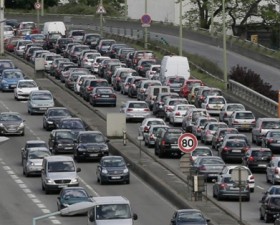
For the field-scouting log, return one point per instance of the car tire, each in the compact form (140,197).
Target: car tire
(156,151)
(247,199)
(219,197)
(22,134)
(47,191)
(128,181)
(261,216)
(266,219)
(43,188)
(252,190)
(101,181)
(160,154)
(267,180)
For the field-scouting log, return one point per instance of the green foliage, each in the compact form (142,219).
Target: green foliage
(252,80)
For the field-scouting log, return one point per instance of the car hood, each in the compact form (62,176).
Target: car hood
(57,118)
(71,201)
(36,162)
(112,169)
(27,90)
(12,81)
(9,123)
(62,175)
(93,145)
(65,141)
(116,222)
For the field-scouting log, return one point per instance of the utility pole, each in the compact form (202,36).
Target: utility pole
(181,29)
(101,19)
(146,28)
(225,48)
(125,10)
(1,27)
(42,7)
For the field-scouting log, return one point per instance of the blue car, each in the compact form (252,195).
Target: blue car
(9,79)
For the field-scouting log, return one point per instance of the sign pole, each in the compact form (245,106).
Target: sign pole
(101,20)
(38,14)
(146,28)
(240,198)
(1,27)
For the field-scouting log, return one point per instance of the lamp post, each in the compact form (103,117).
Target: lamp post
(76,208)
(101,19)
(225,47)
(125,10)
(146,28)
(212,18)
(180,29)
(2,27)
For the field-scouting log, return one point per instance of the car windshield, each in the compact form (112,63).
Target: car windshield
(27,84)
(41,96)
(113,211)
(236,144)
(235,107)
(74,194)
(104,91)
(64,135)
(10,117)
(61,166)
(211,161)
(261,153)
(12,75)
(155,122)
(38,154)
(216,101)
(92,138)
(201,152)
(59,112)
(99,83)
(35,145)
(113,163)
(194,217)
(73,124)
(176,80)
(138,105)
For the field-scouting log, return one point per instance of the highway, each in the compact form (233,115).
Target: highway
(10,154)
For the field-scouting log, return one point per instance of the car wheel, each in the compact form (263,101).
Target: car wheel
(101,181)
(47,191)
(22,134)
(247,199)
(156,151)
(128,181)
(261,216)
(267,180)
(160,154)
(253,140)
(219,197)
(252,190)
(213,194)
(58,207)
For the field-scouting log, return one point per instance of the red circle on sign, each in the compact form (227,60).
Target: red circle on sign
(146,19)
(187,142)
(37,5)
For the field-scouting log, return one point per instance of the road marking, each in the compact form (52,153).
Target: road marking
(89,187)
(260,187)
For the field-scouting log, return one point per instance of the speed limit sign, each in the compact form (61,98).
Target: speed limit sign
(37,5)
(187,142)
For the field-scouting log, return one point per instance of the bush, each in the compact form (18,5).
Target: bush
(252,80)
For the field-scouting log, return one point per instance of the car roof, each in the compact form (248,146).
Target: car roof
(112,157)
(259,149)
(90,132)
(110,200)
(35,141)
(54,158)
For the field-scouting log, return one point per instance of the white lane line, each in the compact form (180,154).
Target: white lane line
(89,187)
(260,187)
(22,186)
(10,172)
(31,195)
(26,190)
(6,168)
(46,211)
(18,181)
(36,200)
(41,206)
(55,221)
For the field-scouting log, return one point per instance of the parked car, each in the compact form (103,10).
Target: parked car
(225,187)
(257,158)
(90,145)
(112,169)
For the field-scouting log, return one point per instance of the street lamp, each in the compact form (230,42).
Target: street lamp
(2,27)
(181,29)
(101,19)
(76,208)
(225,48)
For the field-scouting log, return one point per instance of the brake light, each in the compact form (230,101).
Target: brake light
(113,96)
(146,110)
(89,88)
(202,168)
(177,114)
(146,129)
(152,137)
(163,142)
(223,186)
(226,149)
(276,171)
(251,158)
(235,122)
(252,177)
(246,148)
(270,140)
(129,110)
(254,121)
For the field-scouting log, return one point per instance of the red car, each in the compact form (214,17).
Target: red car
(11,43)
(188,84)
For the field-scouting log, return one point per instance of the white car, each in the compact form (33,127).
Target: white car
(48,59)
(96,63)
(146,124)
(154,69)
(79,81)
(88,59)
(135,110)
(228,109)
(23,89)
(242,120)
(8,31)
(150,138)
(177,114)
(250,179)
(170,103)
(213,104)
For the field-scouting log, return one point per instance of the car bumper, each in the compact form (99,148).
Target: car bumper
(22,96)
(18,131)
(57,187)
(92,155)
(178,119)
(104,102)
(234,194)
(38,109)
(35,170)
(243,126)
(115,178)
(137,116)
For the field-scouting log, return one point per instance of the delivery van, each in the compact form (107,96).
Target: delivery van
(153,91)
(54,27)
(174,66)
(111,210)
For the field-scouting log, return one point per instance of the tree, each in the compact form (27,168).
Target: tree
(27,4)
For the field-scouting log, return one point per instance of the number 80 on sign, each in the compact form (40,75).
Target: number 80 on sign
(187,142)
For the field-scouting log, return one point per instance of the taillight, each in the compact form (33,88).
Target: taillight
(146,129)
(254,121)
(146,110)
(202,168)
(163,142)
(129,110)
(223,186)
(246,148)
(177,114)
(276,171)
(235,122)
(251,158)
(89,88)
(270,140)
(252,177)
(226,149)
(152,137)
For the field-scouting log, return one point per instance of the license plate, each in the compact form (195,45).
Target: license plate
(115,178)
(105,96)
(174,146)
(13,86)
(212,175)
(68,148)
(261,165)
(62,186)
(233,189)
(11,130)
(236,150)
(43,108)
(93,155)
(245,125)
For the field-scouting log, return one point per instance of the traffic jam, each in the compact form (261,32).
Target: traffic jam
(169,109)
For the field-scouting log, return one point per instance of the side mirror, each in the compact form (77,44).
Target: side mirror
(78,170)
(91,218)
(107,140)
(135,216)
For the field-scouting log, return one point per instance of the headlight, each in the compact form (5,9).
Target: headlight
(105,148)
(20,91)
(59,145)
(125,170)
(21,125)
(33,104)
(104,171)
(81,149)
(50,122)
(30,164)
(49,181)
(75,180)
(1,125)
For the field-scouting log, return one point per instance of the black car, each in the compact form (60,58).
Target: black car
(188,217)
(270,208)
(257,158)
(61,141)
(272,140)
(272,190)
(74,124)
(112,169)
(71,195)
(167,142)
(53,116)
(90,145)
(61,43)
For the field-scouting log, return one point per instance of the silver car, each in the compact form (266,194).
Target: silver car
(33,160)
(273,171)
(150,138)
(39,101)
(135,110)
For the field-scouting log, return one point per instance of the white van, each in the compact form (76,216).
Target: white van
(111,210)
(153,91)
(54,27)
(174,66)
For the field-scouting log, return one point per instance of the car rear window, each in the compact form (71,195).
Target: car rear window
(138,105)
(244,116)
(201,152)
(216,101)
(236,144)
(95,83)
(261,153)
